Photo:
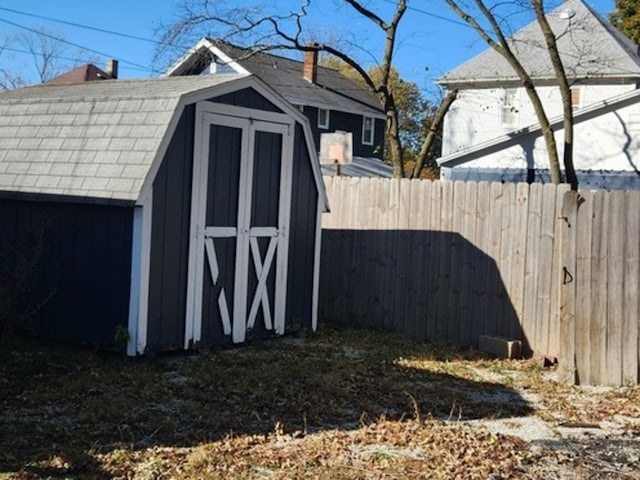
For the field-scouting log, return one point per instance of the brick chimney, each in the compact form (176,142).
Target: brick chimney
(310,69)
(112,68)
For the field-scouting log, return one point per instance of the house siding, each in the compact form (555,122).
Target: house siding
(606,141)
(170,239)
(81,256)
(348,122)
(476,115)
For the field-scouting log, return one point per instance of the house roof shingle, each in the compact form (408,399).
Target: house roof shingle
(84,73)
(94,139)
(589,46)
(332,90)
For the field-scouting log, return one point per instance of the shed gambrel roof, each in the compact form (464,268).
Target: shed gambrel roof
(332,90)
(589,46)
(99,139)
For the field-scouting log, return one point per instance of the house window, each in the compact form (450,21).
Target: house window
(510,107)
(575,98)
(367,130)
(323,118)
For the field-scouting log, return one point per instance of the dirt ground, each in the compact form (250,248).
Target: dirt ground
(342,403)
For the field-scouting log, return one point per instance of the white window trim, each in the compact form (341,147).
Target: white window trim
(369,141)
(324,125)
(516,106)
(576,91)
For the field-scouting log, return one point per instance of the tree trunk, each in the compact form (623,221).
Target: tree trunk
(433,131)
(565,92)
(392,134)
(547,133)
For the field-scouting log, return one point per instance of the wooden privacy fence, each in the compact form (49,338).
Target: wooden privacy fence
(453,261)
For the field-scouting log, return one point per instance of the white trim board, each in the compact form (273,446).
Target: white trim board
(134,289)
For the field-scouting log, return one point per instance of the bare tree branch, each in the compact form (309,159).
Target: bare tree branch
(434,128)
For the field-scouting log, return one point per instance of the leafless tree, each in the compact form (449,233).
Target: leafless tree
(50,55)
(47,49)
(8,78)
(268,30)
(497,39)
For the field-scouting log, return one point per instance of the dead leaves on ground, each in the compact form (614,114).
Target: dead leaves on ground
(343,403)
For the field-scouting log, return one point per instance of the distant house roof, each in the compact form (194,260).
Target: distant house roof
(92,139)
(332,90)
(589,46)
(83,73)
(360,167)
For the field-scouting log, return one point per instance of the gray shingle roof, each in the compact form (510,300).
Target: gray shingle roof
(589,46)
(94,139)
(332,90)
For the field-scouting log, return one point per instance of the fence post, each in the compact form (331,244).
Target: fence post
(567,284)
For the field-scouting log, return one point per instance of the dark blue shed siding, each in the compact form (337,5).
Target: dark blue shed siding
(248,98)
(170,239)
(302,239)
(81,257)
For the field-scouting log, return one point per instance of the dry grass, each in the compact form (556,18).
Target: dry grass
(342,403)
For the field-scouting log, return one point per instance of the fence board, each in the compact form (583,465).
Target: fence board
(544,270)
(531,265)
(521,222)
(456,273)
(467,313)
(615,290)
(415,280)
(553,345)
(506,324)
(631,336)
(567,330)
(444,256)
(480,275)
(583,287)
(493,250)
(384,201)
(598,327)
(435,204)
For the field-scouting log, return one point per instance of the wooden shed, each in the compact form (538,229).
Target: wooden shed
(185,209)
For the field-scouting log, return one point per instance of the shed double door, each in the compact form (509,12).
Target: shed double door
(240,214)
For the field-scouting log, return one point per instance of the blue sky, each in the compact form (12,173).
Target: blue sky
(428,45)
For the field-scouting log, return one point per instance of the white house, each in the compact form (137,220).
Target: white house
(491,131)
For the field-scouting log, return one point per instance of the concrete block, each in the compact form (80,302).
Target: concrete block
(500,347)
